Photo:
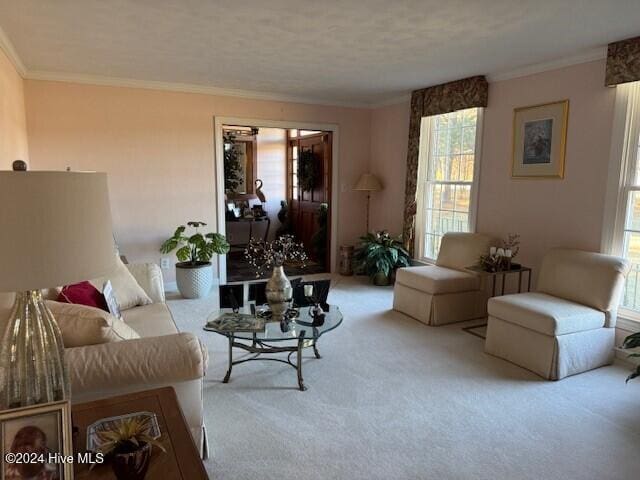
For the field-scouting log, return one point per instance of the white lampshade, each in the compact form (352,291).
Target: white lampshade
(55,229)
(368,182)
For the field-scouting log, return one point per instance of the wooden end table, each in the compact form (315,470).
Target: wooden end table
(181,461)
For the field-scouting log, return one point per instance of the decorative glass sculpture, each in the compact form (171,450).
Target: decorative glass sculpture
(32,368)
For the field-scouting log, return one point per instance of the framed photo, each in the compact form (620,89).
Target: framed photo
(37,438)
(539,140)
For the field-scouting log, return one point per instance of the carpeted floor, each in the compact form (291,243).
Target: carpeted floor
(394,399)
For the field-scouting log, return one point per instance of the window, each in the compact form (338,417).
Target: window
(447,178)
(623,225)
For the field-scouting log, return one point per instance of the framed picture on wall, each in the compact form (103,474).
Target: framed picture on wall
(539,140)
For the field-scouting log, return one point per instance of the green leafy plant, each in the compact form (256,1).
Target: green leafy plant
(380,254)
(126,436)
(196,248)
(232,166)
(633,341)
(319,239)
(307,170)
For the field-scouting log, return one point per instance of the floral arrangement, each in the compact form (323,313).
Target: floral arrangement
(284,250)
(127,436)
(500,258)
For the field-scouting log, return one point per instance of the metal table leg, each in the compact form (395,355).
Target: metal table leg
(520,281)
(299,366)
(228,375)
(315,349)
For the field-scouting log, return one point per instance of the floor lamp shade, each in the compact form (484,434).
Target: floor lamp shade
(368,182)
(55,229)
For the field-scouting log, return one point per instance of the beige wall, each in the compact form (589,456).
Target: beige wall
(13,124)
(158,149)
(546,213)
(389,136)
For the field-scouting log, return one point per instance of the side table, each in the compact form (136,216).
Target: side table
(479,271)
(181,460)
(519,270)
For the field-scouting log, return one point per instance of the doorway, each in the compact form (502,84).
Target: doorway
(275,179)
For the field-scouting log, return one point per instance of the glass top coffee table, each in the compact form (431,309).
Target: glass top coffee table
(281,337)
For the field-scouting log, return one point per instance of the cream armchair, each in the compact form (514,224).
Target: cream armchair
(445,292)
(567,326)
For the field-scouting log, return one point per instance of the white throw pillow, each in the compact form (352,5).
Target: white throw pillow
(81,325)
(127,290)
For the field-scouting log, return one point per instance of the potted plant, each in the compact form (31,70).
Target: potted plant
(379,255)
(129,445)
(633,341)
(194,272)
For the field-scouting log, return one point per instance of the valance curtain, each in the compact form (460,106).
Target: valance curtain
(623,62)
(447,97)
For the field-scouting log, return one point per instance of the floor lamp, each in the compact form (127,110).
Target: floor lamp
(55,229)
(368,182)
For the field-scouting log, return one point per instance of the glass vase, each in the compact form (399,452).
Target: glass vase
(32,368)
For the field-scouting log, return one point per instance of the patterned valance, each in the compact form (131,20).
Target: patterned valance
(623,62)
(448,97)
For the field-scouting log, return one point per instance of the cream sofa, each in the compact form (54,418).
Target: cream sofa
(161,357)
(568,325)
(445,293)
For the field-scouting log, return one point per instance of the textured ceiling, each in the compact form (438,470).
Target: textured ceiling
(357,51)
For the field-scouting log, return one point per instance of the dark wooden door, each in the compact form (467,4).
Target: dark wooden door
(306,204)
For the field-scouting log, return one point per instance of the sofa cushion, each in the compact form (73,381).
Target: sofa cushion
(436,280)
(83,293)
(545,313)
(81,325)
(128,292)
(152,320)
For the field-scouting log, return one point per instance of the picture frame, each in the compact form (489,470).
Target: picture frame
(38,431)
(539,140)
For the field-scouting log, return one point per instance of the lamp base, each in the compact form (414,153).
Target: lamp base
(32,368)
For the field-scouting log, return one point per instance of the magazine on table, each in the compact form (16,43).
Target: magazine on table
(236,322)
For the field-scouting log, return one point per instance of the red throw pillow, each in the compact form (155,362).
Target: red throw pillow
(83,293)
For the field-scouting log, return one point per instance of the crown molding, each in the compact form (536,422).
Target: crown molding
(582,57)
(8,48)
(184,88)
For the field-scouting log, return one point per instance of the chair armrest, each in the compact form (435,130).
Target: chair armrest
(149,277)
(151,360)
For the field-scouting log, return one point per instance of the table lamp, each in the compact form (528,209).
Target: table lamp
(368,182)
(55,229)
